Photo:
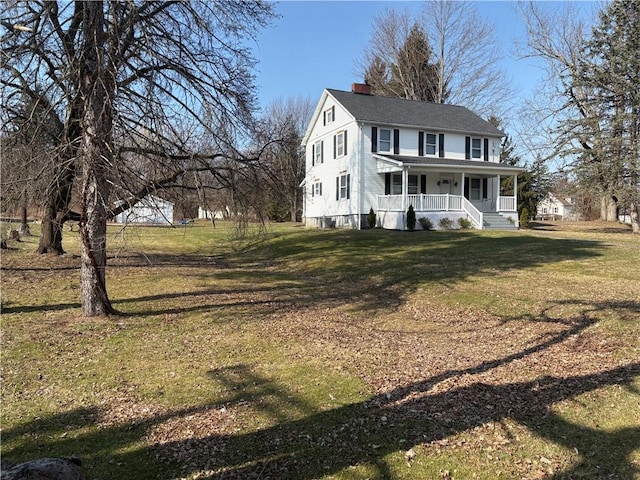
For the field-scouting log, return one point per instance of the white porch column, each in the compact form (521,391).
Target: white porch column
(498,195)
(405,189)
(515,192)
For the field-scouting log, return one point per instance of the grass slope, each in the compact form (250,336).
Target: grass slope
(303,354)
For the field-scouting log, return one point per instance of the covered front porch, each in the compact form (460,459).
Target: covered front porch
(453,189)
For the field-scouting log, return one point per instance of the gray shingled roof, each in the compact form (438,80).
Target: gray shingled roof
(412,113)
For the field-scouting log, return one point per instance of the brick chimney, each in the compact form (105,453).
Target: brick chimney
(361,88)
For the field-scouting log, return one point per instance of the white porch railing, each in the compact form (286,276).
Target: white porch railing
(421,202)
(473,212)
(507,204)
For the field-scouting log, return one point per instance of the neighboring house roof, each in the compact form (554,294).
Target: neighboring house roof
(563,200)
(452,163)
(413,113)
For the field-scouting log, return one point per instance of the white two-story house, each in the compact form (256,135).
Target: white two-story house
(365,151)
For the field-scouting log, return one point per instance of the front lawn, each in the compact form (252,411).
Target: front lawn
(305,354)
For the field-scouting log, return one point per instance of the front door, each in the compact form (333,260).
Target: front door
(446,185)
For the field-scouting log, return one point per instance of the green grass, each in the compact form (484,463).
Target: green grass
(330,354)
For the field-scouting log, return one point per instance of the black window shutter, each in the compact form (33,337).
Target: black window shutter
(423,184)
(337,188)
(396,141)
(320,189)
(333,112)
(324,118)
(313,190)
(334,146)
(374,139)
(348,186)
(467,148)
(441,145)
(486,149)
(420,144)
(484,188)
(387,183)
(345,142)
(466,188)
(313,154)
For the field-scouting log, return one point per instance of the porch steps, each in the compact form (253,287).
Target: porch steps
(495,221)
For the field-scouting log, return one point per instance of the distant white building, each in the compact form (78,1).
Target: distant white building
(556,207)
(150,209)
(211,214)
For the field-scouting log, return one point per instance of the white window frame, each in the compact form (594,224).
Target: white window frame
(413,189)
(329,115)
(318,153)
(384,145)
(396,184)
(428,147)
(343,187)
(476,149)
(317,189)
(340,144)
(475,193)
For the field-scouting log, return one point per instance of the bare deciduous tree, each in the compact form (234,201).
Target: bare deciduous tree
(466,57)
(457,61)
(122,79)
(284,165)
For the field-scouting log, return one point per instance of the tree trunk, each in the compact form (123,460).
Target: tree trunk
(51,232)
(56,211)
(635,218)
(96,155)
(608,208)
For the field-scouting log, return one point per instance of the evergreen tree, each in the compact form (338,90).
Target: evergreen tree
(409,74)
(610,69)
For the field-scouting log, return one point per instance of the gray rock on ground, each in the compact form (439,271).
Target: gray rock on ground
(42,469)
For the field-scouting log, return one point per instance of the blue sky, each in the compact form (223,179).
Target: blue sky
(316,45)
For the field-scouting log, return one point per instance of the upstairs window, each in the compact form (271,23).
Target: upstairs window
(329,115)
(340,144)
(430,144)
(476,148)
(318,156)
(384,142)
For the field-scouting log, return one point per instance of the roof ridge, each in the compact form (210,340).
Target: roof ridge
(399,98)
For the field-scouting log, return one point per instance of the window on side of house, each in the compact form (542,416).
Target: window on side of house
(476,148)
(343,187)
(318,154)
(474,192)
(384,140)
(316,190)
(341,144)
(329,115)
(430,143)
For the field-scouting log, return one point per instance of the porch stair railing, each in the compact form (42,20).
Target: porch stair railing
(474,214)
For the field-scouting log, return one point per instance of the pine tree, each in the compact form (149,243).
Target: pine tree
(410,74)
(611,71)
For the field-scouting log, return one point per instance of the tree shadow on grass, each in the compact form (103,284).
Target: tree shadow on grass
(369,270)
(303,441)
(366,272)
